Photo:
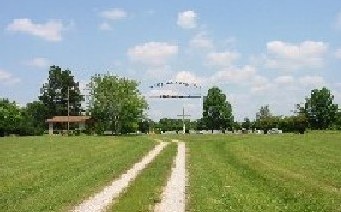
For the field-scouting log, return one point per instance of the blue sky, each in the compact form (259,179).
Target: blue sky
(258,52)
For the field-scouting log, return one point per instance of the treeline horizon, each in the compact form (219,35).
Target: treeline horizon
(116,104)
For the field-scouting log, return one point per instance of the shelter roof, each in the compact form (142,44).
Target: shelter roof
(68,119)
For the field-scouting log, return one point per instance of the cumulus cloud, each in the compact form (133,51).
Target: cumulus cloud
(188,77)
(110,15)
(49,31)
(201,40)
(114,14)
(7,78)
(153,53)
(222,58)
(288,56)
(234,75)
(231,75)
(312,81)
(260,84)
(187,19)
(39,62)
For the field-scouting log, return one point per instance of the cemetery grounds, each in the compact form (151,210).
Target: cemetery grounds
(287,172)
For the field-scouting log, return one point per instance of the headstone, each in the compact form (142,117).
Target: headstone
(217,132)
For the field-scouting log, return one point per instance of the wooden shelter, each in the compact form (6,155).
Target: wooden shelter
(81,120)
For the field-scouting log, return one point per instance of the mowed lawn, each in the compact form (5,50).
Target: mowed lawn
(265,172)
(55,173)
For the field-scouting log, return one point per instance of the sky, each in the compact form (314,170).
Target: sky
(257,52)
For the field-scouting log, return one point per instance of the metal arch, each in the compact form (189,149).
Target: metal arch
(186,84)
(161,84)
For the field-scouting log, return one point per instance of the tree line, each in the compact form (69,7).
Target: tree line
(317,113)
(115,104)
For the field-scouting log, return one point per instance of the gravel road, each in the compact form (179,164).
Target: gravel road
(173,196)
(102,200)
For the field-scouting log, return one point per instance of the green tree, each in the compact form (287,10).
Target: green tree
(337,122)
(320,109)
(54,93)
(264,112)
(217,111)
(34,118)
(265,120)
(10,117)
(246,124)
(115,104)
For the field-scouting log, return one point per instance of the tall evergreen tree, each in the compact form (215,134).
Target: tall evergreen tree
(55,92)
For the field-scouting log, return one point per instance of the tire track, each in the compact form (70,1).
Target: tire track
(173,196)
(102,200)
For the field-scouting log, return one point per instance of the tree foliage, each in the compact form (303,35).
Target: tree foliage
(217,111)
(337,122)
(10,117)
(115,104)
(320,109)
(54,93)
(264,113)
(246,124)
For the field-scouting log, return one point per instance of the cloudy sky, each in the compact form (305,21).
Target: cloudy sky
(258,52)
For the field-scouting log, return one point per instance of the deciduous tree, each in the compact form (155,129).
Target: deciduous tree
(217,111)
(10,117)
(320,109)
(115,103)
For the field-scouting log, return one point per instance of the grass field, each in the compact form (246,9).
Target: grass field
(226,172)
(54,173)
(265,173)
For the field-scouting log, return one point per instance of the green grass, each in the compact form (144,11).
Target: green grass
(146,190)
(265,173)
(227,172)
(55,173)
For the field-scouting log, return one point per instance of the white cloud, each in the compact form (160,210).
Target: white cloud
(187,19)
(50,31)
(153,53)
(234,75)
(260,84)
(39,62)
(114,14)
(288,56)
(7,78)
(188,77)
(284,80)
(231,75)
(312,81)
(201,40)
(222,58)
(338,53)
(105,26)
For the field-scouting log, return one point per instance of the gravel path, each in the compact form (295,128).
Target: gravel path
(173,196)
(103,199)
